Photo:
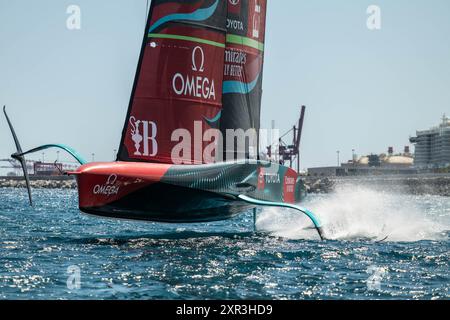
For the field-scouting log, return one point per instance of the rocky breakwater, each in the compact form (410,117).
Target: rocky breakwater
(434,185)
(319,185)
(418,184)
(39,183)
(411,184)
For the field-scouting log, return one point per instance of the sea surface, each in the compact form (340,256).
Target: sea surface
(382,246)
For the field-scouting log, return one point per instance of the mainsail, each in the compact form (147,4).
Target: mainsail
(200,68)
(178,82)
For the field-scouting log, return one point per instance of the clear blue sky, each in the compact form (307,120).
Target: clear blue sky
(364,89)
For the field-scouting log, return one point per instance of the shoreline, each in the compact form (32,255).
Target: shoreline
(55,182)
(419,184)
(431,184)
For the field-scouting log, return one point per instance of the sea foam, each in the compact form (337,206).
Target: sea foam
(359,212)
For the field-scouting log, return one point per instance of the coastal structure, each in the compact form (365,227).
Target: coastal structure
(12,168)
(373,164)
(433,146)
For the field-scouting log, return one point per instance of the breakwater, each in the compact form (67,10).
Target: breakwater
(59,182)
(419,184)
(438,184)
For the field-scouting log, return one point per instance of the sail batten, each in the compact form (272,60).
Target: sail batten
(186,38)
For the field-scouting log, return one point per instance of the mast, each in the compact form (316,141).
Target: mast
(298,139)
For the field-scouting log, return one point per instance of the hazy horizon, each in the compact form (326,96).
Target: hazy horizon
(364,89)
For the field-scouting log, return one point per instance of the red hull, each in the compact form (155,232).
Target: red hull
(169,193)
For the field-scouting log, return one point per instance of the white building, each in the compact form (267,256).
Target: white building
(433,146)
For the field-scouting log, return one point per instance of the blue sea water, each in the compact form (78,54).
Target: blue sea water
(41,248)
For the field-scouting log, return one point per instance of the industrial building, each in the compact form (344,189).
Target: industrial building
(12,168)
(433,146)
(374,164)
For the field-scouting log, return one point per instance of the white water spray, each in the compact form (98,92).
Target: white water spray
(358,212)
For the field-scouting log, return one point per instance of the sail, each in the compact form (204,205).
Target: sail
(178,84)
(243,69)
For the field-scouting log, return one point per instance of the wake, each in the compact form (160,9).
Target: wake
(358,212)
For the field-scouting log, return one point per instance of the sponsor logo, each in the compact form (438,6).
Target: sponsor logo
(256,20)
(143,134)
(257,7)
(235,25)
(234,61)
(289,183)
(265,178)
(195,85)
(272,178)
(235,56)
(109,188)
(194,57)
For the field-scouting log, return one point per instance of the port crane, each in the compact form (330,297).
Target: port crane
(289,153)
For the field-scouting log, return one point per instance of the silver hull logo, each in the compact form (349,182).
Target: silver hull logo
(109,188)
